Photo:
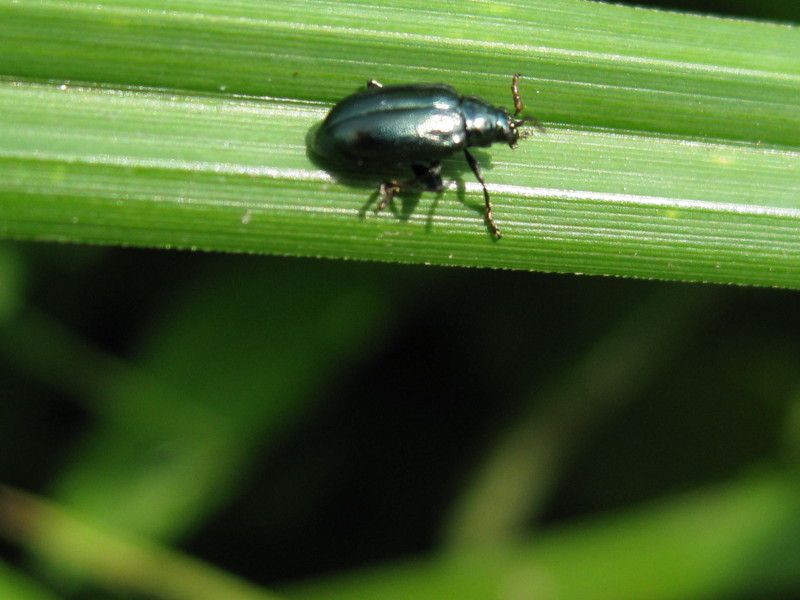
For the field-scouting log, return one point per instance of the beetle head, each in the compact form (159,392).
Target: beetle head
(486,124)
(517,133)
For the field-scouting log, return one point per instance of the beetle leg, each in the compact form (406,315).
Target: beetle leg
(476,169)
(372,83)
(430,176)
(387,191)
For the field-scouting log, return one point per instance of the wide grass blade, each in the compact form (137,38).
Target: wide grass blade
(673,144)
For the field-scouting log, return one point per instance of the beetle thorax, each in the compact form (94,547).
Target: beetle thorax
(486,124)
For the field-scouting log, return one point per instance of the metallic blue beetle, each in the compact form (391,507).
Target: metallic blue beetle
(416,125)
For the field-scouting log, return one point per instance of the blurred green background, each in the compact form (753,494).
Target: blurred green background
(308,426)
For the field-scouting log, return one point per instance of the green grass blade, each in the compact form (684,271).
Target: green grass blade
(15,585)
(592,63)
(123,563)
(736,540)
(666,189)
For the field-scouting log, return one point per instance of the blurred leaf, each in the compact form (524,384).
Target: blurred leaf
(664,188)
(518,476)
(16,586)
(237,359)
(12,282)
(791,433)
(109,558)
(738,540)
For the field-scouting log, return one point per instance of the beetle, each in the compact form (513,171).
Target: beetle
(417,125)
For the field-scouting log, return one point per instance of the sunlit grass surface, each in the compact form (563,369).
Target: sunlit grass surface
(664,157)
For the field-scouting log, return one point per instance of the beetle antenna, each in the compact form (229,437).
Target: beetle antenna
(518,106)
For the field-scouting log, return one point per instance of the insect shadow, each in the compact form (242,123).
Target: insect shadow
(370,178)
